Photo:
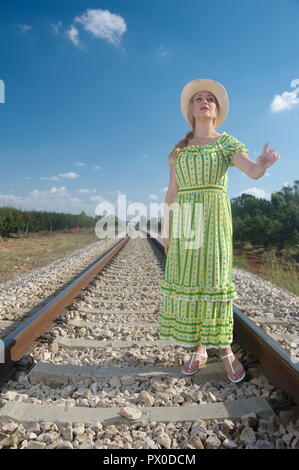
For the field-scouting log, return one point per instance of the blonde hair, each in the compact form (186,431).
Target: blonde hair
(183,142)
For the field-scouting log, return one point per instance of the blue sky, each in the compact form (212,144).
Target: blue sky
(92,94)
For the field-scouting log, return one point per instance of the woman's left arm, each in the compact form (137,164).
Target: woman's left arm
(256,169)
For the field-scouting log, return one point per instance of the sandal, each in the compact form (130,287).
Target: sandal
(233,372)
(205,358)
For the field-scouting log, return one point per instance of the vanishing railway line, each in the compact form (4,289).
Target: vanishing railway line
(90,364)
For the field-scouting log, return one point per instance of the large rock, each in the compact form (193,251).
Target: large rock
(130,412)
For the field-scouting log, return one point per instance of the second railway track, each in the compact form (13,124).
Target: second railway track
(96,374)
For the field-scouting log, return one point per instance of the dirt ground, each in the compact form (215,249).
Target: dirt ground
(19,255)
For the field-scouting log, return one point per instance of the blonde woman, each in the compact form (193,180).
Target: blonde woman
(197,288)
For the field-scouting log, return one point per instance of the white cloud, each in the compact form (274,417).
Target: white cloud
(98,199)
(97,167)
(153,196)
(287,100)
(73,34)
(56,199)
(84,191)
(36,193)
(60,191)
(4,198)
(49,178)
(80,164)
(103,24)
(70,175)
(25,27)
(259,193)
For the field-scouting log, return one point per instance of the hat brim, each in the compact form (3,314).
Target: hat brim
(205,84)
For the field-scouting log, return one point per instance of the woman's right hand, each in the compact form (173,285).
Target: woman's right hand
(166,245)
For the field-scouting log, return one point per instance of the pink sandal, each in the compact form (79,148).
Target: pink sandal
(205,358)
(233,372)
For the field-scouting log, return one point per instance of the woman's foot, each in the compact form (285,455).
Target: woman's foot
(198,358)
(232,363)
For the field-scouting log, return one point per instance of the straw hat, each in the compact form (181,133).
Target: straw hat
(205,84)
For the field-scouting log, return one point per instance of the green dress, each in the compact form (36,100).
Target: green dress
(197,287)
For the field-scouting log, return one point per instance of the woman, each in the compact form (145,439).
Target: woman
(197,289)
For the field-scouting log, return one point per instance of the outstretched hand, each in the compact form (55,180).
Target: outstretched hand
(267,157)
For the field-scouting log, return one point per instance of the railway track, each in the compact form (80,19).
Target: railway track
(88,370)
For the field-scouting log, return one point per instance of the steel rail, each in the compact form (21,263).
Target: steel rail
(22,340)
(280,367)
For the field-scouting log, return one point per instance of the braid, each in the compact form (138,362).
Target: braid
(178,146)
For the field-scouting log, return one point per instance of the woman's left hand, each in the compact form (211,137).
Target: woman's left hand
(267,157)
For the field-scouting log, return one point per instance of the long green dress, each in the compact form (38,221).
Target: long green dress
(197,288)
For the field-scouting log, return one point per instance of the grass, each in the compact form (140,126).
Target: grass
(283,274)
(239,261)
(281,271)
(19,255)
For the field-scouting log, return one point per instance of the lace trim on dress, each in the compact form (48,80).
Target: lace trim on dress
(203,298)
(192,346)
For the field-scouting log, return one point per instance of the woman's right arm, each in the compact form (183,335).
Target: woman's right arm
(169,199)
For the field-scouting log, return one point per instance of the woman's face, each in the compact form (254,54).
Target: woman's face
(205,100)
